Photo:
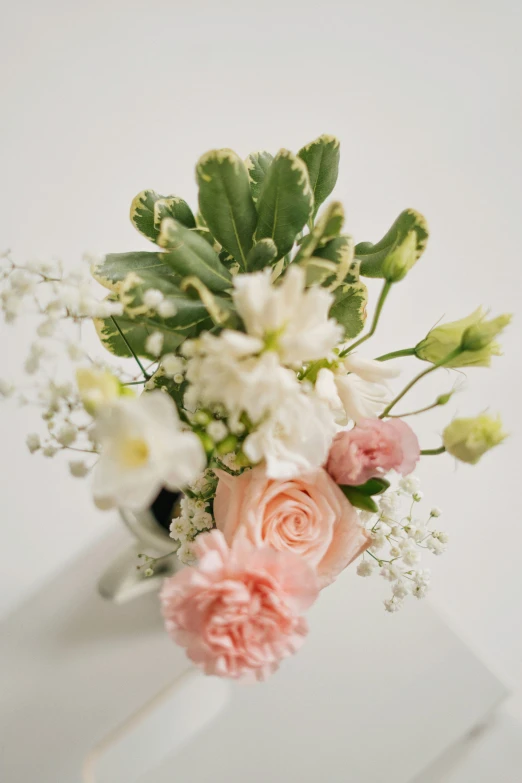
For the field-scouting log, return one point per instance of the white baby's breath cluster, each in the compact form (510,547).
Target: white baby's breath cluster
(400,536)
(194,517)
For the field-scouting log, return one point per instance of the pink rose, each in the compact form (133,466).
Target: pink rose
(239,612)
(307,515)
(371,449)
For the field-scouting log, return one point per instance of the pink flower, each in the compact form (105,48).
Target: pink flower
(307,515)
(371,449)
(239,612)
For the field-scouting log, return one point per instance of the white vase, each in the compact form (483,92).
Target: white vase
(125,578)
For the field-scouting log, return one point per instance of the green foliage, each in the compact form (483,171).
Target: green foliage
(257,165)
(349,308)
(148,209)
(285,202)
(263,254)
(116,266)
(117,333)
(359,499)
(373,256)
(322,160)
(327,228)
(374,486)
(226,203)
(188,254)
(175,390)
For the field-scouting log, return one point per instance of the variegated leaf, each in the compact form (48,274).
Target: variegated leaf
(188,254)
(145,219)
(263,254)
(257,165)
(116,266)
(226,203)
(327,227)
(322,160)
(114,332)
(349,308)
(285,202)
(372,256)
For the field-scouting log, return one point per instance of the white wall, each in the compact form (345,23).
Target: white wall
(100,100)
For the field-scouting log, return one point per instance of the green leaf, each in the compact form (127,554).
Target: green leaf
(372,256)
(349,308)
(341,252)
(145,219)
(285,202)
(116,266)
(188,254)
(136,335)
(327,228)
(263,254)
(175,390)
(358,499)
(257,165)
(226,203)
(374,486)
(322,160)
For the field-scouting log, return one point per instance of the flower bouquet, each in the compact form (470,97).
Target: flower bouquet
(239,406)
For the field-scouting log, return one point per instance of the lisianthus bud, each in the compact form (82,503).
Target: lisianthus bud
(481,335)
(96,387)
(401,259)
(446,338)
(469,439)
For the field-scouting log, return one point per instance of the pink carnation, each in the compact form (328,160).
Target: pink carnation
(239,612)
(371,449)
(307,515)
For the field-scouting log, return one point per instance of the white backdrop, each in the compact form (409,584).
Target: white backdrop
(101,100)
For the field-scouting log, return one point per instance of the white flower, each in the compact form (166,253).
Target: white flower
(166,309)
(186,553)
(295,438)
(33,442)
(392,604)
(154,343)
(172,364)
(409,485)
(78,468)
(365,568)
(21,281)
(355,388)
(217,430)
(66,434)
(287,317)
(49,450)
(226,372)
(6,388)
(143,449)
(435,512)
(152,298)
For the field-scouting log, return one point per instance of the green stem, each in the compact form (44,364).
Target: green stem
(142,368)
(414,413)
(396,354)
(382,298)
(432,452)
(441,363)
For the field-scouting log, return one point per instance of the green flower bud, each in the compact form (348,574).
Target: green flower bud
(481,335)
(444,339)
(469,439)
(401,259)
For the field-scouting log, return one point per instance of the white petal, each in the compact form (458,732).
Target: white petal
(370,369)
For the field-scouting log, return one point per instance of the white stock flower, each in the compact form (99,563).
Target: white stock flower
(287,318)
(143,449)
(226,372)
(295,438)
(154,343)
(356,388)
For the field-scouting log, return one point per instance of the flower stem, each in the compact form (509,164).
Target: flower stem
(432,452)
(142,368)
(441,363)
(414,413)
(396,354)
(382,298)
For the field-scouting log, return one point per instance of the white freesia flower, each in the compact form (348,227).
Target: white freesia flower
(287,318)
(356,389)
(295,439)
(143,449)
